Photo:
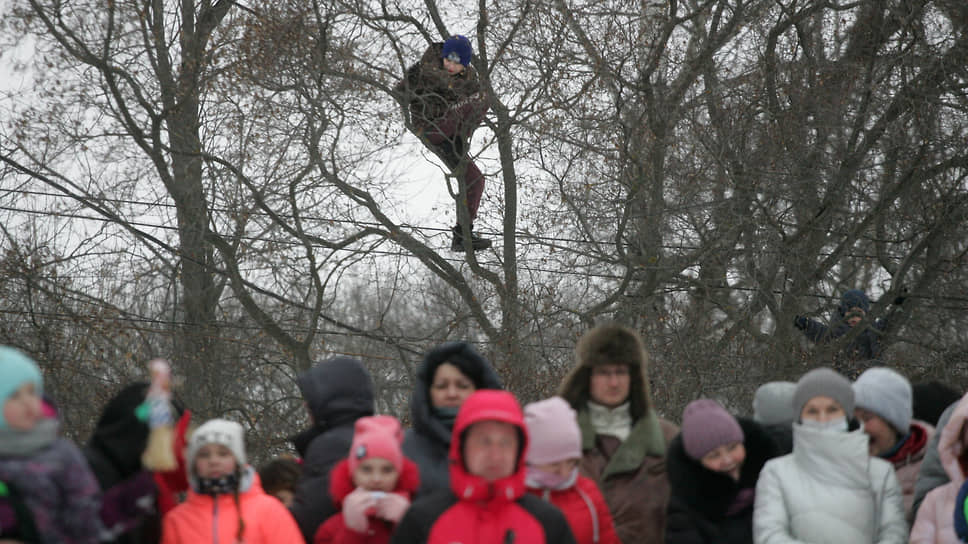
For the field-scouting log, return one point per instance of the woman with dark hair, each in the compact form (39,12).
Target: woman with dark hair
(449,374)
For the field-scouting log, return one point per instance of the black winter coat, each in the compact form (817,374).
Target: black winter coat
(428,442)
(338,391)
(114,455)
(700,498)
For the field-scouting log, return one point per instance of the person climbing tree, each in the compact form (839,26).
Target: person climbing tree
(852,311)
(446,104)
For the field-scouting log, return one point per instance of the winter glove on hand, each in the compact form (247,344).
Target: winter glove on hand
(355,506)
(392,507)
(800,322)
(898,300)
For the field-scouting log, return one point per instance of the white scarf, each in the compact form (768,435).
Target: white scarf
(616,421)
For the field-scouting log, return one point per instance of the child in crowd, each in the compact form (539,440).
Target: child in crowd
(47,491)
(372,486)
(226,504)
(279,478)
(553,471)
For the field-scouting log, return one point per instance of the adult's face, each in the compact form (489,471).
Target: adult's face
(610,384)
(727,459)
(450,387)
(491,449)
(883,437)
(821,409)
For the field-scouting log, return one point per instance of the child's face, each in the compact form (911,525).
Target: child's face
(22,410)
(376,474)
(453,67)
(214,461)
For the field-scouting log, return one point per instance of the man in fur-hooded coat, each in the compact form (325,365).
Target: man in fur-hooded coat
(624,441)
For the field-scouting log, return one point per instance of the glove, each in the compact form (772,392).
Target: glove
(800,322)
(392,507)
(355,507)
(898,300)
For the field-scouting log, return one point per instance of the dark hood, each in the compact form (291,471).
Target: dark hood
(338,390)
(708,492)
(854,298)
(119,438)
(471,364)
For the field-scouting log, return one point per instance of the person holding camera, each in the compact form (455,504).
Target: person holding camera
(372,486)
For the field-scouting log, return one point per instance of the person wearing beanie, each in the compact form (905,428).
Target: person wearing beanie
(883,400)
(372,486)
(942,512)
(337,391)
(829,489)
(713,467)
(773,409)
(225,503)
(553,475)
(624,440)
(487,500)
(446,104)
(851,312)
(49,494)
(448,374)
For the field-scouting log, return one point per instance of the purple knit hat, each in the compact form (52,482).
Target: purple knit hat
(706,425)
(553,431)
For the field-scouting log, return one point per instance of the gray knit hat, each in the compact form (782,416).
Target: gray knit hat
(888,394)
(824,382)
(773,403)
(216,431)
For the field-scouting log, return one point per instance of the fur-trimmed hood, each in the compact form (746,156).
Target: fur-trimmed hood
(609,344)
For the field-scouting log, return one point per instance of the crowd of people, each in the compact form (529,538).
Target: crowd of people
(821,460)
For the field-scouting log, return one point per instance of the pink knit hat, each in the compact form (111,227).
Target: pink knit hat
(706,425)
(554,431)
(376,436)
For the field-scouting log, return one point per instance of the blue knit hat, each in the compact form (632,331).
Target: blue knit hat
(854,298)
(16,369)
(961,513)
(457,48)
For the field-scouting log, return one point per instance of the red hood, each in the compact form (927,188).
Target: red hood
(487,405)
(341,481)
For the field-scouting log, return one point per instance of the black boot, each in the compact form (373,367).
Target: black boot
(477,243)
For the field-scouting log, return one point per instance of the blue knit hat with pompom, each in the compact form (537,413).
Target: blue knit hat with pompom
(458,48)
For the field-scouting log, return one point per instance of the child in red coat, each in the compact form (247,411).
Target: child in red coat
(553,471)
(372,486)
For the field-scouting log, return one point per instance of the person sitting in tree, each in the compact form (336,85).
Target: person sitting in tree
(446,104)
(853,309)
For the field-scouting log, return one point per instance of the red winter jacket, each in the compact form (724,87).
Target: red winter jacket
(476,511)
(334,529)
(585,509)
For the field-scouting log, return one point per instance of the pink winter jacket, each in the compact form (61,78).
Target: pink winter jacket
(935,521)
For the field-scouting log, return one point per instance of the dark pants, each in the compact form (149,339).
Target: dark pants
(449,137)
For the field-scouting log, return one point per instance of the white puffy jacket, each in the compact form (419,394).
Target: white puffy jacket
(828,491)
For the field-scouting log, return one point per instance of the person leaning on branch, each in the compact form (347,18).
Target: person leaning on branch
(446,104)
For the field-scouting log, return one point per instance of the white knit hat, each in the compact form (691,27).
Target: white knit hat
(888,395)
(218,431)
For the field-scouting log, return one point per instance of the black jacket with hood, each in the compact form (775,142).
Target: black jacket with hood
(428,442)
(700,498)
(338,391)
